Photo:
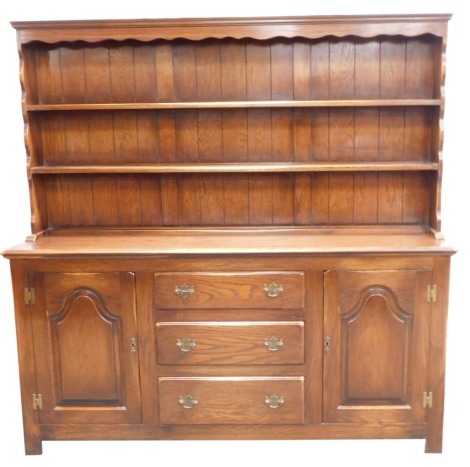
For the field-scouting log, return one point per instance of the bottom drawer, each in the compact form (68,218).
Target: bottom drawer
(230,400)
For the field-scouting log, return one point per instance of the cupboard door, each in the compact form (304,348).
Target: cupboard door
(376,325)
(84,328)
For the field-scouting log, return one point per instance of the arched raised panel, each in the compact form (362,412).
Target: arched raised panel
(376,349)
(86,345)
(398,287)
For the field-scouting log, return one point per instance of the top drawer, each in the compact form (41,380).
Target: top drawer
(236,290)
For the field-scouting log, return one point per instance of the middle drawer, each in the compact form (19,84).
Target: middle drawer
(233,343)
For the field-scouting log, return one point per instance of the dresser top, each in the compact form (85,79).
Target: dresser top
(231,242)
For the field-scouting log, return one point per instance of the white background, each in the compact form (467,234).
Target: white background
(14,219)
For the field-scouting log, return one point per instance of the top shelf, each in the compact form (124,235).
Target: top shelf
(236,104)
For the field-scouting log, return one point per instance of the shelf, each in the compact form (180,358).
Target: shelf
(257,241)
(236,104)
(238,168)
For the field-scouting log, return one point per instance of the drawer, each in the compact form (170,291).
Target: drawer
(235,290)
(232,400)
(235,343)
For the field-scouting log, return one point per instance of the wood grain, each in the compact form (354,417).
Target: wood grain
(231,400)
(84,371)
(230,343)
(377,325)
(234,290)
(233,156)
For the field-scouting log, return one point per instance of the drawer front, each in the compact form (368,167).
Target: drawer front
(240,343)
(244,290)
(231,400)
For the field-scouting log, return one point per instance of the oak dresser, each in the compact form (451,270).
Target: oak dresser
(236,229)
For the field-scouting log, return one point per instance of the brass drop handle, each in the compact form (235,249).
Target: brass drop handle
(273,344)
(186,345)
(184,290)
(188,401)
(274,402)
(273,290)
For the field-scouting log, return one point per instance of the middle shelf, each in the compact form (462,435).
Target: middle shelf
(246,104)
(275,167)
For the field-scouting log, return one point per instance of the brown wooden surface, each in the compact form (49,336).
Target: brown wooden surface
(231,343)
(376,367)
(118,137)
(189,242)
(437,355)
(313,355)
(228,154)
(239,168)
(238,432)
(348,104)
(249,104)
(147,349)
(235,290)
(232,400)
(82,327)
(27,367)
(258,27)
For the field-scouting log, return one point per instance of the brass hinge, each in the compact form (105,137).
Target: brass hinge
(431,293)
(37,401)
(427,400)
(29,296)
